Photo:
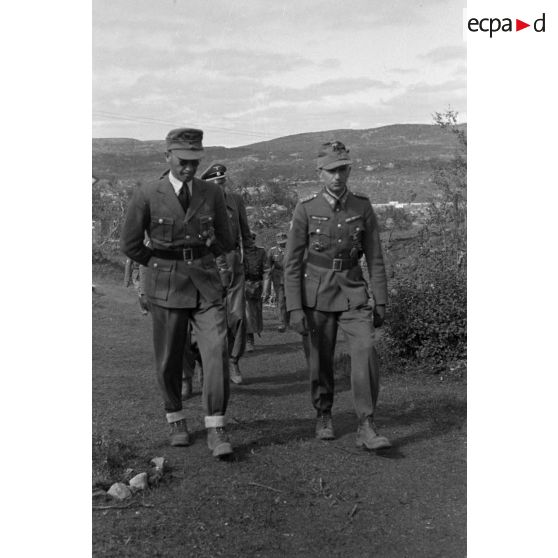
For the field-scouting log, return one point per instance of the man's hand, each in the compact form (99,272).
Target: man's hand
(144,304)
(226,278)
(298,322)
(379,315)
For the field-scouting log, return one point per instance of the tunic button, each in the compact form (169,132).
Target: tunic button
(187,237)
(155,264)
(339,225)
(160,221)
(189,262)
(337,209)
(317,230)
(339,240)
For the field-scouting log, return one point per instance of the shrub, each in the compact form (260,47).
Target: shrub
(428,303)
(428,313)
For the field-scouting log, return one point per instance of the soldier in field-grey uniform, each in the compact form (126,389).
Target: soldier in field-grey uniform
(325,290)
(241,239)
(274,275)
(254,270)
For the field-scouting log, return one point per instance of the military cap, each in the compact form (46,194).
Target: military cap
(280,236)
(333,154)
(186,143)
(214,172)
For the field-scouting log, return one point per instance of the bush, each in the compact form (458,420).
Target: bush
(428,313)
(428,303)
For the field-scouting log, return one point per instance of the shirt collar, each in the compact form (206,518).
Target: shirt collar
(176,184)
(333,200)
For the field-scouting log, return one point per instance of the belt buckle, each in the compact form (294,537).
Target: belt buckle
(337,264)
(187,254)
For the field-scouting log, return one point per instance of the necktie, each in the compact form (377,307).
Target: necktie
(184,197)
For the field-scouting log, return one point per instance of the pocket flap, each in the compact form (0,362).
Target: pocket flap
(162,220)
(165,266)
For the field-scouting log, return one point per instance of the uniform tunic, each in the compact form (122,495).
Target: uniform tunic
(322,277)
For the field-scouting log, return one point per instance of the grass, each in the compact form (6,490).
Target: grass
(284,493)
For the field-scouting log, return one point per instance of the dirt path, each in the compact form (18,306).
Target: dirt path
(285,493)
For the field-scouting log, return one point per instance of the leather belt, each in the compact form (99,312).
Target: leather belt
(337,264)
(186,254)
(253,277)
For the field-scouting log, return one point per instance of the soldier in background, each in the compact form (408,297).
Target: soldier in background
(192,363)
(325,290)
(254,269)
(134,274)
(241,239)
(275,267)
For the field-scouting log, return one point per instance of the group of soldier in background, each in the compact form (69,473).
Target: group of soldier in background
(203,279)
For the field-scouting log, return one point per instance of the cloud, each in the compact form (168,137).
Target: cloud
(402,71)
(272,68)
(449,53)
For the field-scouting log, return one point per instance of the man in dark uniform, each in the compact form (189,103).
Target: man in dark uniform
(241,239)
(325,290)
(275,266)
(186,220)
(254,269)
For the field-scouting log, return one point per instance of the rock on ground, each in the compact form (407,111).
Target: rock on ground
(139,482)
(119,491)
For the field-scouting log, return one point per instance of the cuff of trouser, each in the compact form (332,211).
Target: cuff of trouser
(176,416)
(215,421)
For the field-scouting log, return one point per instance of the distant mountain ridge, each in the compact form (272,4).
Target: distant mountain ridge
(390,162)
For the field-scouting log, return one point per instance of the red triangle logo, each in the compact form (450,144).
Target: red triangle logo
(519,25)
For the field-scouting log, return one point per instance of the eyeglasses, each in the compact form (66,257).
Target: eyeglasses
(185,162)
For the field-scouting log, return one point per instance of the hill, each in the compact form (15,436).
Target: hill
(389,163)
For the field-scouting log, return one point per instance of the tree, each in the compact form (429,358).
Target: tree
(449,214)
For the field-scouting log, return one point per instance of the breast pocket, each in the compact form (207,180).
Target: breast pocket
(161,228)
(161,279)
(320,239)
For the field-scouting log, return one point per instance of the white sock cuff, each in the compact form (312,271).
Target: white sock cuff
(215,421)
(176,416)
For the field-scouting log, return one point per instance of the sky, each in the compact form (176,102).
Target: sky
(252,70)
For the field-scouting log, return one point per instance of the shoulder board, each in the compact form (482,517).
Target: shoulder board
(308,198)
(361,195)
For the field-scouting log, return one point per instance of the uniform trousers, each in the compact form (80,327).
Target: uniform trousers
(254,307)
(170,334)
(236,308)
(279,289)
(357,325)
